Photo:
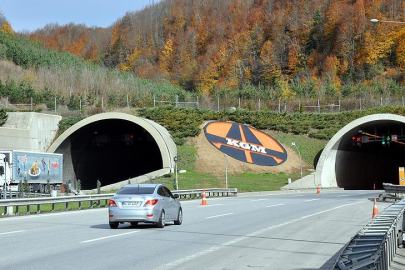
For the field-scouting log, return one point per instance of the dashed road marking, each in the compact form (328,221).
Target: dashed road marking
(311,200)
(274,205)
(12,232)
(106,237)
(221,215)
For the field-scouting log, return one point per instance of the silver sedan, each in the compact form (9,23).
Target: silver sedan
(153,203)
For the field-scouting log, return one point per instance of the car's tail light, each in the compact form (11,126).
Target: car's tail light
(112,203)
(151,215)
(150,203)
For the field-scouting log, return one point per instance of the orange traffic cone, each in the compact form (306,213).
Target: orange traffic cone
(318,191)
(204,198)
(375,209)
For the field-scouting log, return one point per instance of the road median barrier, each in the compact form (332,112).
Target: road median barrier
(375,246)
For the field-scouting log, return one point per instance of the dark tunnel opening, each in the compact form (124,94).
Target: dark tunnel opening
(113,150)
(371,154)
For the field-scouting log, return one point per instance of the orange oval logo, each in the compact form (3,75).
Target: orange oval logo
(245,143)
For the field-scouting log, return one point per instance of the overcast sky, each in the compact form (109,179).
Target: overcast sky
(33,14)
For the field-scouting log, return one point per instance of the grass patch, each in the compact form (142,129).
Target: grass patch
(244,182)
(251,182)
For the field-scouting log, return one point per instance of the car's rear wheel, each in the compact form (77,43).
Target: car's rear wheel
(114,225)
(179,218)
(161,223)
(134,223)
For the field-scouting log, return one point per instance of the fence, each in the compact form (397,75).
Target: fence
(216,104)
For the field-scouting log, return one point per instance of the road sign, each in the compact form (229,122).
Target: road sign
(401,176)
(394,138)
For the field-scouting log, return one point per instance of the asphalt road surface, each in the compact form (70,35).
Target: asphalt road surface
(251,231)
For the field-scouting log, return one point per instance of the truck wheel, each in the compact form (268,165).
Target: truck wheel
(114,225)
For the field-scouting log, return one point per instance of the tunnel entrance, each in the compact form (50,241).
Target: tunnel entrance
(112,150)
(370,154)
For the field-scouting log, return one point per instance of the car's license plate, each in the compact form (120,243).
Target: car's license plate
(130,203)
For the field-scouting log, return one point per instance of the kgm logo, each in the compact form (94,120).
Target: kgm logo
(245,143)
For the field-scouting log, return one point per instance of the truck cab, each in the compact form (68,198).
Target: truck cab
(5,172)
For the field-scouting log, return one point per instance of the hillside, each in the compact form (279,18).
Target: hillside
(272,49)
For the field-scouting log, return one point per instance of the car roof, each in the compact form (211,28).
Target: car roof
(142,185)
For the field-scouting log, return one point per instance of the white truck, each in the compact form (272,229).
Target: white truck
(34,167)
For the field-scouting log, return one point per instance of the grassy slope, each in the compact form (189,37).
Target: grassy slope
(247,181)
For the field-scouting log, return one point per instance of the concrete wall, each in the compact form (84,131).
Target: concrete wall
(28,131)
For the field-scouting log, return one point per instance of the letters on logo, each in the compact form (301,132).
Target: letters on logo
(245,143)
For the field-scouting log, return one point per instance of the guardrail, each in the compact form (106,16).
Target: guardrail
(374,246)
(209,192)
(395,192)
(10,204)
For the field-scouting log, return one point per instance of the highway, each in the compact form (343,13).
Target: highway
(301,230)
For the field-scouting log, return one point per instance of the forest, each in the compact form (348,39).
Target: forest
(274,49)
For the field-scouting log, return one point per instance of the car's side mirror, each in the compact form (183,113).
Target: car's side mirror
(176,196)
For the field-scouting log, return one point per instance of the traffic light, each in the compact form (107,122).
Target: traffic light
(383,140)
(388,140)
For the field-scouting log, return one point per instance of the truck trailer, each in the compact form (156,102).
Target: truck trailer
(33,167)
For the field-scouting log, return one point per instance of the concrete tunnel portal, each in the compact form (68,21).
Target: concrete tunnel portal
(365,152)
(114,147)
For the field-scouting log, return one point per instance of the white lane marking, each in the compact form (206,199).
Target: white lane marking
(299,196)
(342,196)
(86,211)
(220,215)
(236,240)
(12,232)
(106,237)
(311,200)
(259,200)
(275,205)
(209,205)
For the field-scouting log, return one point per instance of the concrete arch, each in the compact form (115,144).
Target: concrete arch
(146,132)
(333,162)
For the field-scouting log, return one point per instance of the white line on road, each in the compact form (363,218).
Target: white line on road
(221,215)
(236,240)
(86,211)
(259,200)
(106,237)
(342,196)
(311,200)
(209,205)
(275,205)
(12,232)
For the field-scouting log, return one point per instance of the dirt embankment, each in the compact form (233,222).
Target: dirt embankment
(211,160)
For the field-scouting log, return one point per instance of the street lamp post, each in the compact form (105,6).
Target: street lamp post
(226,172)
(299,154)
(176,181)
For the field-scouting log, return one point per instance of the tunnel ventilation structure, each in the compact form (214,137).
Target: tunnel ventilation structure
(364,153)
(114,147)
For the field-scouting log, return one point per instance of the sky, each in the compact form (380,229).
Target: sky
(33,14)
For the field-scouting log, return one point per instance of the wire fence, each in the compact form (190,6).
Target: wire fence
(212,103)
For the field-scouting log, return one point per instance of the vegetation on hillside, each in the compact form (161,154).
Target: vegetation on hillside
(182,123)
(47,74)
(262,48)
(3,116)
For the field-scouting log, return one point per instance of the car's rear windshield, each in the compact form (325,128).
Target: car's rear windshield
(136,190)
